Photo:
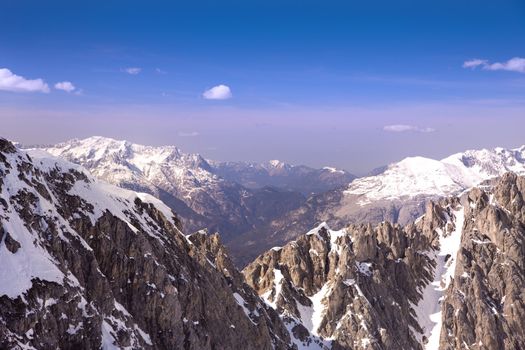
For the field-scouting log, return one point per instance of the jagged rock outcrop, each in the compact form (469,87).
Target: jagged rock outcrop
(347,289)
(86,265)
(453,279)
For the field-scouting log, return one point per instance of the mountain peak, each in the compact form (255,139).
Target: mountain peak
(415,176)
(275,163)
(333,170)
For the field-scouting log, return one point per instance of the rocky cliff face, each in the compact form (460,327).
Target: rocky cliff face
(87,265)
(347,289)
(453,279)
(484,306)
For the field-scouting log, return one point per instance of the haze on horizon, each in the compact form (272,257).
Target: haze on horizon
(345,84)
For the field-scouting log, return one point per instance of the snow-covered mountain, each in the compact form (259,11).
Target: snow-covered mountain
(185,182)
(419,176)
(88,265)
(397,194)
(282,175)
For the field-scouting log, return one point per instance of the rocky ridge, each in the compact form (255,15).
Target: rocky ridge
(484,305)
(451,279)
(89,265)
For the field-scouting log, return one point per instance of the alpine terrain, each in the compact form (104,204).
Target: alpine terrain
(217,210)
(88,265)
(282,175)
(453,279)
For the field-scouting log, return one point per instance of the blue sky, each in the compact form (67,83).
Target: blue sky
(310,82)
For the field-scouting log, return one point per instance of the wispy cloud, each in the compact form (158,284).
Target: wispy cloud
(15,83)
(219,92)
(476,62)
(132,70)
(405,127)
(188,134)
(516,64)
(160,71)
(66,86)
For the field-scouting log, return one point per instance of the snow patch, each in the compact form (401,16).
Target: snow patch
(364,268)
(277,283)
(108,337)
(428,310)
(319,307)
(242,303)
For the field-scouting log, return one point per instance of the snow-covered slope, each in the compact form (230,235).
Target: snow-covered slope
(124,163)
(418,176)
(31,260)
(185,182)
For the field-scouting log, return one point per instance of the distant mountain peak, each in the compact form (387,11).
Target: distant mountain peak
(333,170)
(275,163)
(415,176)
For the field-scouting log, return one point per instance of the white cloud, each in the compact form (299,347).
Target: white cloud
(66,86)
(427,129)
(160,71)
(189,134)
(404,127)
(516,64)
(474,63)
(219,92)
(132,70)
(12,82)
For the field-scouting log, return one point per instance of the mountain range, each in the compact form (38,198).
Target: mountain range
(205,194)
(452,279)
(257,206)
(397,194)
(87,264)
(278,174)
